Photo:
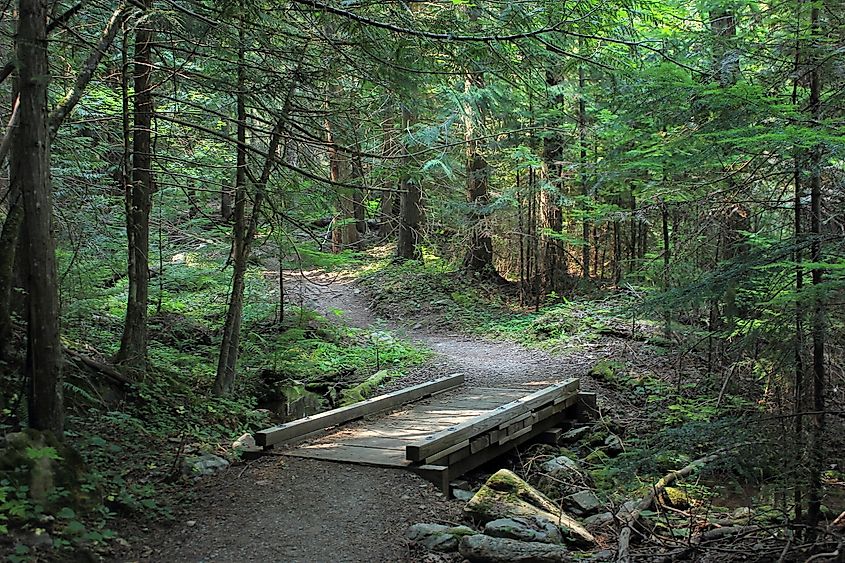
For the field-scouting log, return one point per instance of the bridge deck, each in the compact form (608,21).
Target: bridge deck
(383,441)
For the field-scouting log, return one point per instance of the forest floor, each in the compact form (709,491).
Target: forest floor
(650,391)
(289,509)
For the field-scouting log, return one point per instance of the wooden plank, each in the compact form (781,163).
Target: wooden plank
(454,434)
(457,456)
(352,454)
(514,420)
(437,474)
(286,432)
(496,449)
(516,434)
(478,444)
(447,451)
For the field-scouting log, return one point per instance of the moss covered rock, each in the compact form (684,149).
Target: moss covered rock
(675,497)
(505,495)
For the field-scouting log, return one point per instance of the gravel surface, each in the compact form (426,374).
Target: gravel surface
(292,510)
(301,510)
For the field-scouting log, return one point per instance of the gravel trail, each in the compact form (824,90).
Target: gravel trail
(301,510)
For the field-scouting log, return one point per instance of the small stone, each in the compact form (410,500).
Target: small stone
(245,442)
(485,549)
(583,503)
(191,523)
(613,444)
(559,464)
(626,509)
(462,494)
(202,465)
(528,528)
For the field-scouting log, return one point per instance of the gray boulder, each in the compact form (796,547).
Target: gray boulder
(485,549)
(598,520)
(505,495)
(437,537)
(527,528)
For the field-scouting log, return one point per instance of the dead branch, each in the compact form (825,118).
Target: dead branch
(623,552)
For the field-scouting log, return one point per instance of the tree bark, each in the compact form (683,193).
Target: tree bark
(582,167)
(479,257)
(816,444)
(345,233)
(410,212)
(31,171)
(229,346)
(133,344)
(554,274)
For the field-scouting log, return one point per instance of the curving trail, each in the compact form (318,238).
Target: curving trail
(288,509)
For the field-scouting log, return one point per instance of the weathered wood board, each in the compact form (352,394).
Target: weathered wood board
(444,436)
(502,417)
(293,430)
(383,441)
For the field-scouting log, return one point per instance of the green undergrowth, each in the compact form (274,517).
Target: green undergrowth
(433,292)
(133,439)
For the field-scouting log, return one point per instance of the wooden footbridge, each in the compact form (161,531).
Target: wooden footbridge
(440,429)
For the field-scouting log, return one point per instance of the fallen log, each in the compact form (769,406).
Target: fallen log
(100,367)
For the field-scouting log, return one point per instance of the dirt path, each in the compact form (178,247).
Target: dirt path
(288,509)
(485,363)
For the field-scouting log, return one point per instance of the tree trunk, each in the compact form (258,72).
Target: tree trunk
(582,167)
(31,171)
(554,272)
(9,239)
(410,212)
(345,234)
(479,257)
(228,358)
(133,344)
(816,444)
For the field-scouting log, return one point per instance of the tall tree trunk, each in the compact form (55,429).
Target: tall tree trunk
(582,167)
(388,204)
(133,344)
(228,358)
(817,419)
(345,234)
(31,171)
(479,257)
(410,213)
(798,344)
(554,272)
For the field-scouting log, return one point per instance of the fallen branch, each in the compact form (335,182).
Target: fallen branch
(100,367)
(623,551)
